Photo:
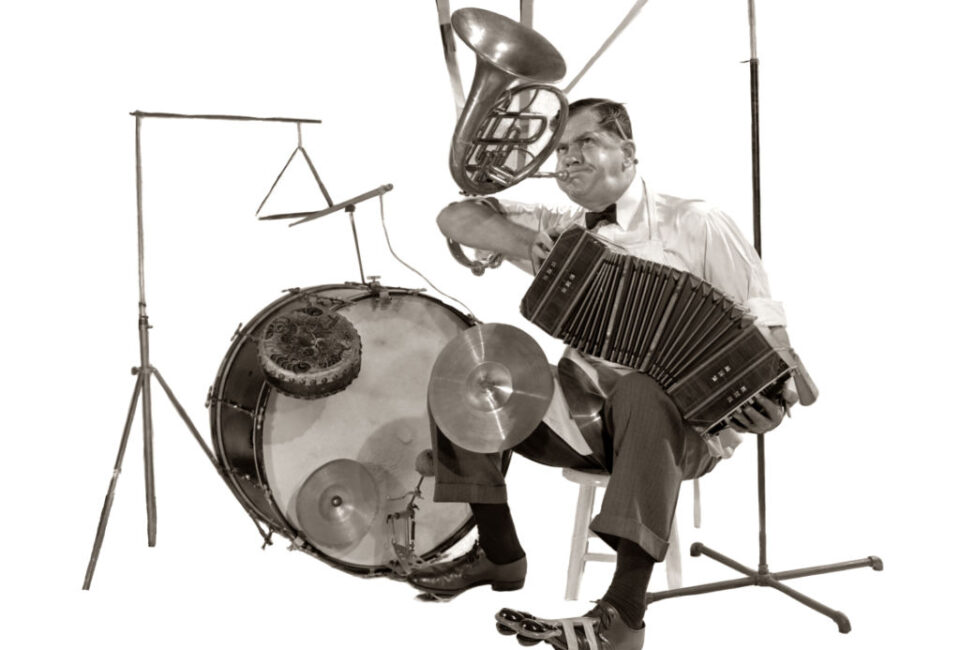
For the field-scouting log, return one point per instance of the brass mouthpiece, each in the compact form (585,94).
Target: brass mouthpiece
(560,176)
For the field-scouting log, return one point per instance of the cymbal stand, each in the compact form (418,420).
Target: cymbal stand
(141,390)
(763,577)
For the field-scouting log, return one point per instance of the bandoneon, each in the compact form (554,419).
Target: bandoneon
(697,343)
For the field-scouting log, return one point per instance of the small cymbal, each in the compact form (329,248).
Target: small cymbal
(490,387)
(337,503)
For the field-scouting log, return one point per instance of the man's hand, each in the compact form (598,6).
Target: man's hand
(763,414)
(540,247)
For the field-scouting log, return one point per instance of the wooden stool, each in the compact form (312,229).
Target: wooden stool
(579,546)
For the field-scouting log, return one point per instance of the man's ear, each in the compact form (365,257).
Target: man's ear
(629,153)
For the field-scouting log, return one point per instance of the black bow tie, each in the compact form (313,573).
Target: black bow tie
(609,213)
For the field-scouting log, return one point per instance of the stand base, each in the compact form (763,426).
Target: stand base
(763,578)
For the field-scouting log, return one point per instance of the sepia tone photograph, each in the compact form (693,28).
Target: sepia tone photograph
(459,325)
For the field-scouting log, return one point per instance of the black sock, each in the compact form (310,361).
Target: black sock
(498,537)
(628,591)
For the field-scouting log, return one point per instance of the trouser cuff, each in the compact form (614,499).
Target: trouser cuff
(469,493)
(607,527)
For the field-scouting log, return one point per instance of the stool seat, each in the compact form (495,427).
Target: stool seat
(589,481)
(584,477)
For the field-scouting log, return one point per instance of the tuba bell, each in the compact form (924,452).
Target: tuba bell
(499,140)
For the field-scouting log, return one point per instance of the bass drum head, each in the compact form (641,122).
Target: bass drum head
(379,421)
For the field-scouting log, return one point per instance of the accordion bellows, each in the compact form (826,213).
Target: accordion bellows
(697,343)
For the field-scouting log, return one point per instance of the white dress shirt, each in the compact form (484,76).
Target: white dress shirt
(688,235)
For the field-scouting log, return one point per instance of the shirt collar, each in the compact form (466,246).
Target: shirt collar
(630,204)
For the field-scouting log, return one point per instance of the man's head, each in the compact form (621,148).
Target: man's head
(597,152)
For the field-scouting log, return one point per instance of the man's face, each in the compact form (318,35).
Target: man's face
(599,163)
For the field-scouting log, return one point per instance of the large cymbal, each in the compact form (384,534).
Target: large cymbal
(337,503)
(490,387)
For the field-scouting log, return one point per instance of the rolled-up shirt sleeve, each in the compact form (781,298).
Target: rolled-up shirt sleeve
(551,219)
(538,217)
(732,265)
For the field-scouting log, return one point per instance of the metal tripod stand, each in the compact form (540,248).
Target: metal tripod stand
(762,577)
(144,372)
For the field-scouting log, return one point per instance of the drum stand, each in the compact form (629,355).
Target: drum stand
(141,390)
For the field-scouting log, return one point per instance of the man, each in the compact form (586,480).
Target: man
(648,449)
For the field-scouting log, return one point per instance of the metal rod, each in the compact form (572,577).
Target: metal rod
(872,562)
(356,240)
(610,39)
(757,243)
(203,444)
(144,329)
(723,559)
(755,126)
(561,175)
(316,214)
(277,180)
(234,118)
(762,502)
(450,55)
(837,616)
(186,419)
(711,587)
(316,176)
(108,500)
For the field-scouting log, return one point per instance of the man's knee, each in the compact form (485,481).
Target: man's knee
(639,405)
(636,391)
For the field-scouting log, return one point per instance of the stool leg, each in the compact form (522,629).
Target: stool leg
(673,561)
(578,545)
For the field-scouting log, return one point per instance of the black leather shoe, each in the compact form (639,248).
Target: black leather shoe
(449,579)
(601,628)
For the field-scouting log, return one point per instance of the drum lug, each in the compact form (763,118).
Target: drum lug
(211,400)
(292,290)
(383,295)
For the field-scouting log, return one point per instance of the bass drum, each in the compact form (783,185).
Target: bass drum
(270,443)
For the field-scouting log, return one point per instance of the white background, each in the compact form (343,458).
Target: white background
(859,143)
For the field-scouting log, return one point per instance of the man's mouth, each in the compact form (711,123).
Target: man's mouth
(572,171)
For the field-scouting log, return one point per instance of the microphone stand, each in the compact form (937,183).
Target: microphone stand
(763,577)
(143,373)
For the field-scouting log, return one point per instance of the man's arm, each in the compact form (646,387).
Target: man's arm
(479,225)
(733,265)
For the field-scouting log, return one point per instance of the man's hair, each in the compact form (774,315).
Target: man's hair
(611,116)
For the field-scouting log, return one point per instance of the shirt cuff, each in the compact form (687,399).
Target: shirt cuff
(769,312)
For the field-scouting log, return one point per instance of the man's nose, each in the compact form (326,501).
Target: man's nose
(570,157)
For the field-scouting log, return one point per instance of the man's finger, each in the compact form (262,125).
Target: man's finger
(789,397)
(770,407)
(741,420)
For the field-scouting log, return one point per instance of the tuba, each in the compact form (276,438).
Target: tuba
(499,140)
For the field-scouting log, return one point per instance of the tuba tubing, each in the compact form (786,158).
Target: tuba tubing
(506,52)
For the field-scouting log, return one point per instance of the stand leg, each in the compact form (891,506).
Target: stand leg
(108,501)
(206,448)
(148,476)
(186,419)
(838,617)
(697,549)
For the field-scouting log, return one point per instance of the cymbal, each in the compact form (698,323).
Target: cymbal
(490,387)
(337,503)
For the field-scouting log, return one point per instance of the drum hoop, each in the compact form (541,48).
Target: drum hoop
(216,400)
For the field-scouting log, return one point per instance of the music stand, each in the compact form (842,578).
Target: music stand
(143,372)
(763,577)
